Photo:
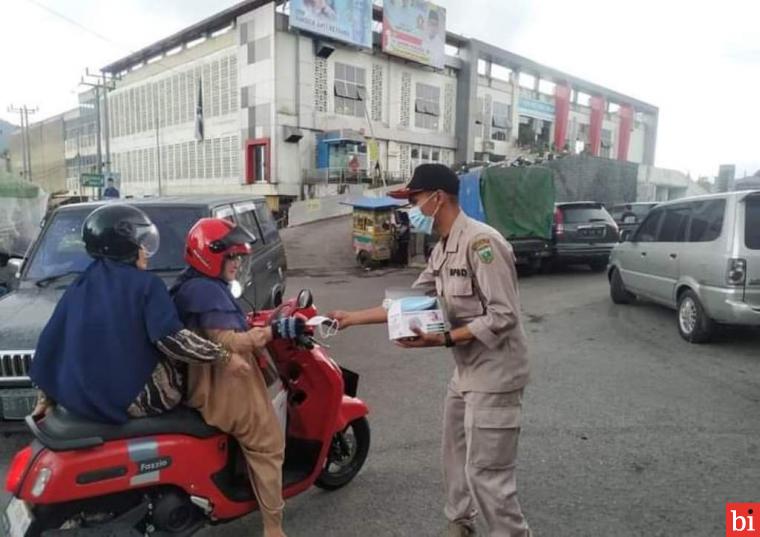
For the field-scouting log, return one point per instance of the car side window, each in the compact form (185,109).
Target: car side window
(246,217)
(707,220)
(648,230)
(224,212)
(674,224)
(266,222)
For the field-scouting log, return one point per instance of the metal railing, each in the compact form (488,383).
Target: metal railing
(344,176)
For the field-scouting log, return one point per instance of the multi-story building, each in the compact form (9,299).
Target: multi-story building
(242,101)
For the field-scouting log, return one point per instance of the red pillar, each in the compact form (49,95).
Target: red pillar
(595,130)
(624,134)
(561,115)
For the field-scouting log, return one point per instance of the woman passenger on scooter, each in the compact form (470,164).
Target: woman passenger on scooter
(238,405)
(107,352)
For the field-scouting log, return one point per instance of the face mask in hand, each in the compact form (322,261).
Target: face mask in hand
(419,221)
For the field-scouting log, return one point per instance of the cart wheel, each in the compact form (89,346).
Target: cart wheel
(364,259)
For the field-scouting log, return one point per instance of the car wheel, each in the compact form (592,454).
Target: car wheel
(618,293)
(598,265)
(694,325)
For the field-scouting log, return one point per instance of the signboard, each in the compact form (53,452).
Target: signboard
(343,20)
(91,179)
(415,30)
(536,109)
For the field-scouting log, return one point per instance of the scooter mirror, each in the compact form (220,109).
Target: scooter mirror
(305,299)
(236,289)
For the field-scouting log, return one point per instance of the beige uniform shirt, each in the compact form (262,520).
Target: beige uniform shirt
(474,272)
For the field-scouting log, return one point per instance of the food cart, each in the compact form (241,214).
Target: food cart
(374,229)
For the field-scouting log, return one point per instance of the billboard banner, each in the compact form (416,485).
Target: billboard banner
(343,20)
(415,30)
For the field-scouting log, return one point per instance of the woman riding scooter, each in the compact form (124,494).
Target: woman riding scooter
(238,405)
(103,353)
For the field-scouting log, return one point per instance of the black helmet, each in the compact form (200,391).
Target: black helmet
(117,231)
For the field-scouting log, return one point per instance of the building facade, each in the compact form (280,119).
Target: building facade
(240,102)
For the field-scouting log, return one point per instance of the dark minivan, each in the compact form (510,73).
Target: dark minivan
(584,233)
(58,256)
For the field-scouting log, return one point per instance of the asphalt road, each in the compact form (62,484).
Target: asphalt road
(627,431)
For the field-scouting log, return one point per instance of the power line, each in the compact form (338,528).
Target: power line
(71,21)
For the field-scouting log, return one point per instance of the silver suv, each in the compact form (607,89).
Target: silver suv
(700,256)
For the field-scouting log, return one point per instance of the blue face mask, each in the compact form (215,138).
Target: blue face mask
(417,303)
(419,221)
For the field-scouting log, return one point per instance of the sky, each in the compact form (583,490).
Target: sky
(699,62)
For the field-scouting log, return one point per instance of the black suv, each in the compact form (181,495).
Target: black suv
(58,256)
(584,233)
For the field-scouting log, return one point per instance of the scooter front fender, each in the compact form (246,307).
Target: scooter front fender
(351,409)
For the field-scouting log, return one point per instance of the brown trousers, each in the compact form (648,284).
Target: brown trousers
(241,407)
(480,436)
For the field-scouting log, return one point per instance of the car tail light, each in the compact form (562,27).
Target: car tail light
(737,271)
(17,469)
(559,223)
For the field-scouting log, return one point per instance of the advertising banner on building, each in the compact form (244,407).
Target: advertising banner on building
(415,30)
(343,20)
(536,109)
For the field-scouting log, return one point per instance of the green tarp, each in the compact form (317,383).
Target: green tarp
(519,202)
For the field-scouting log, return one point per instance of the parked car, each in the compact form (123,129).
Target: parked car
(58,256)
(584,233)
(628,216)
(700,256)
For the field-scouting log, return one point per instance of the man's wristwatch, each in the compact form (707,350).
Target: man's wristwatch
(447,339)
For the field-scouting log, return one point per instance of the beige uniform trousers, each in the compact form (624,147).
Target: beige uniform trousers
(241,407)
(480,434)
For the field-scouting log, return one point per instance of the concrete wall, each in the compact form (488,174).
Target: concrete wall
(329,206)
(660,184)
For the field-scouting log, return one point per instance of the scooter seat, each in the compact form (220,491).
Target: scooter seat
(61,430)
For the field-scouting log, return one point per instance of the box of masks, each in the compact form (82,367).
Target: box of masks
(413,308)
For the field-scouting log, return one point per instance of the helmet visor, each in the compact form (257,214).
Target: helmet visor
(148,239)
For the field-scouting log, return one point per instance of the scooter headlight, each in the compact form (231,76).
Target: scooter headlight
(41,482)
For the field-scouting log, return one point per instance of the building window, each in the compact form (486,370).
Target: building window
(427,107)
(350,90)
(257,165)
(500,121)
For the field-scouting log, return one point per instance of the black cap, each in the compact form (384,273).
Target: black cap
(428,178)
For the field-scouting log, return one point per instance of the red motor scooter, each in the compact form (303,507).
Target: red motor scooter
(173,474)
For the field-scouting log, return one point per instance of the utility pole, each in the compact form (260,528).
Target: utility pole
(102,85)
(26,151)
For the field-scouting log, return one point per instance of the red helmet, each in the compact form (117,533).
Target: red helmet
(210,240)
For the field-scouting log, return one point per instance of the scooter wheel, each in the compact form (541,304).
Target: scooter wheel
(347,454)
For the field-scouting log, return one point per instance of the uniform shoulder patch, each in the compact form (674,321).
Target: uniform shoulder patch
(484,249)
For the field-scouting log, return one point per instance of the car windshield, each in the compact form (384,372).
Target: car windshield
(61,249)
(752,224)
(585,213)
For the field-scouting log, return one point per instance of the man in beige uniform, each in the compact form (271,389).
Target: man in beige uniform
(473,269)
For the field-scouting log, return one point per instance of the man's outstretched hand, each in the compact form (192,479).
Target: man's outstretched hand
(343,318)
